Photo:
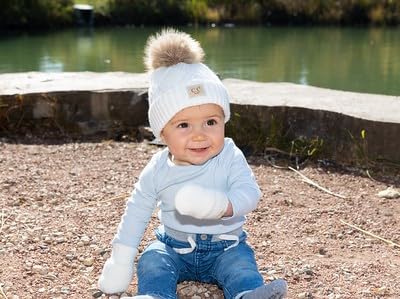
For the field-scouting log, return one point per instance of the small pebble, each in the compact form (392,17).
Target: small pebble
(39,269)
(88,261)
(97,294)
(389,193)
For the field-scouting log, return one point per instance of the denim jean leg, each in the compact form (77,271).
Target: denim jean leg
(236,271)
(158,271)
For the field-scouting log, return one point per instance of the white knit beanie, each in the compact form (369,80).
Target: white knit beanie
(178,79)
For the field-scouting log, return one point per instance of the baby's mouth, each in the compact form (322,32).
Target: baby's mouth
(199,150)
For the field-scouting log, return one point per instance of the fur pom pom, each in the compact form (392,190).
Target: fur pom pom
(171,47)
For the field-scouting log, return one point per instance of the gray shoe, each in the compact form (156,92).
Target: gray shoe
(276,289)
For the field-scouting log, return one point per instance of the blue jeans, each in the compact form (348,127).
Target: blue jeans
(161,268)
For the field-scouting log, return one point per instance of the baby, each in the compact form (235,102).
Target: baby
(201,183)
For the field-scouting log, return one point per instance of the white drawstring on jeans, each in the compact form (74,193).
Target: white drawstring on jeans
(187,250)
(193,243)
(230,238)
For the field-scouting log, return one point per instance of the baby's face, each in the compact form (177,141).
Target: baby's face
(195,134)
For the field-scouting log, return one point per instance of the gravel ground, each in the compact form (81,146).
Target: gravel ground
(61,202)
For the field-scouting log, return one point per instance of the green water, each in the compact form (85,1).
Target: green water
(354,59)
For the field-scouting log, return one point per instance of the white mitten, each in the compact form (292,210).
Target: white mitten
(118,270)
(201,203)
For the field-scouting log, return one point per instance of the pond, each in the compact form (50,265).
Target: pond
(352,59)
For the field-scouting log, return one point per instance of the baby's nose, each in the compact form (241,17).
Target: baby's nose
(198,134)
(198,137)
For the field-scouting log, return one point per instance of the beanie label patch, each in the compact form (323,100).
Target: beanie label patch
(195,90)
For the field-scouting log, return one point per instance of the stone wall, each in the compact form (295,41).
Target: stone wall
(296,119)
(339,125)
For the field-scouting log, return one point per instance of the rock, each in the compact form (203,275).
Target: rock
(97,294)
(65,290)
(322,251)
(381,291)
(85,240)
(50,276)
(47,239)
(70,256)
(60,240)
(88,261)
(389,193)
(39,269)
(305,295)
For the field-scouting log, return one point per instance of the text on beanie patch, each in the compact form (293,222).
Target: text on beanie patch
(195,90)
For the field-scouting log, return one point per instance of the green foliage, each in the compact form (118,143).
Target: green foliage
(255,11)
(197,11)
(303,147)
(361,148)
(139,12)
(35,13)
(331,11)
(50,13)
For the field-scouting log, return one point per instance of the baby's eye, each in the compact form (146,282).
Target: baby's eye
(211,122)
(183,125)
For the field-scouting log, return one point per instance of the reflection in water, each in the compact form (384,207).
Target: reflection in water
(303,76)
(357,59)
(47,64)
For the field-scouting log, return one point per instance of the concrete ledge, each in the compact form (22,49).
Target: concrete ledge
(264,114)
(360,105)
(326,120)
(35,82)
(82,103)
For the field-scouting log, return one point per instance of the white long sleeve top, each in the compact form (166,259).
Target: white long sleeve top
(161,179)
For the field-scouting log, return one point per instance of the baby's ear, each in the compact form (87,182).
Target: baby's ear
(162,137)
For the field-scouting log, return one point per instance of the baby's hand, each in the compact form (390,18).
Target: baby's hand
(118,270)
(201,203)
